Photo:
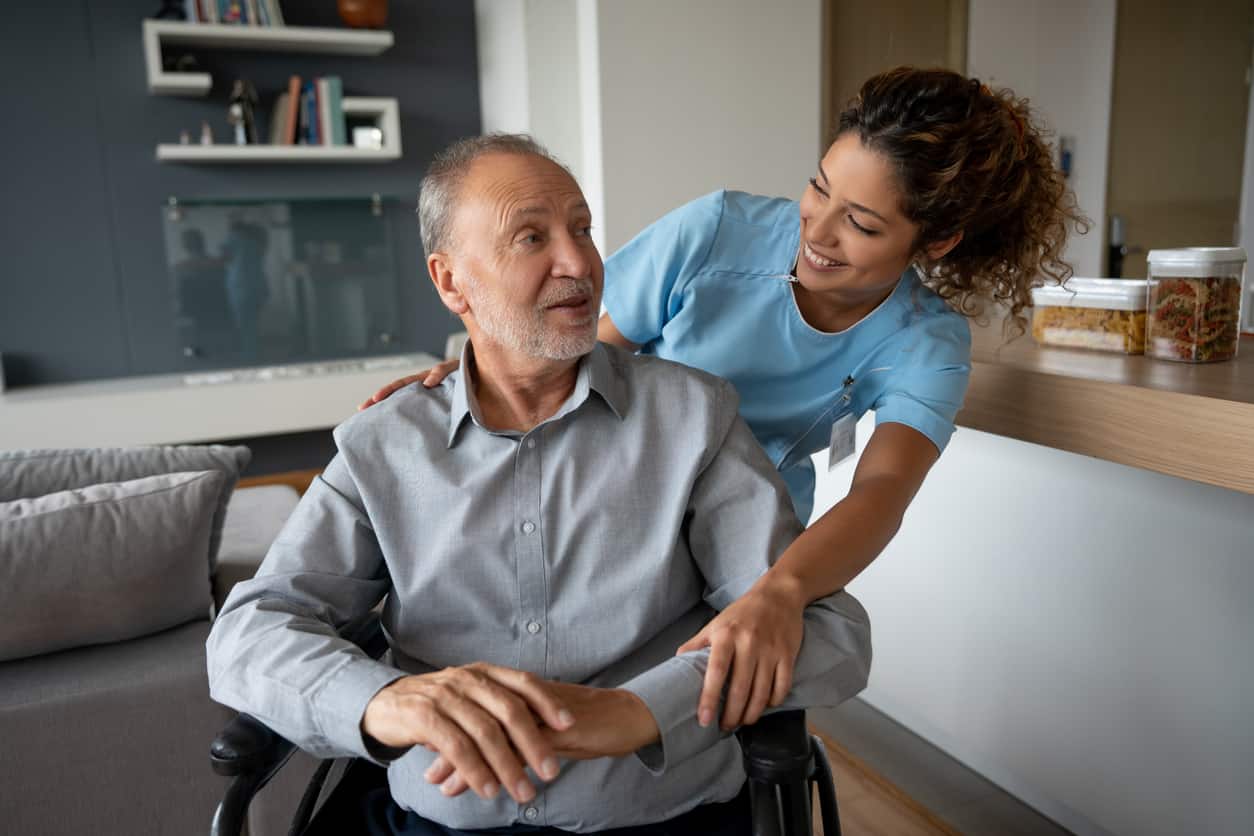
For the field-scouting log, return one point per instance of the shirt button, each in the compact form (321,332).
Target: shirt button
(533,627)
(531,813)
(528,527)
(531,444)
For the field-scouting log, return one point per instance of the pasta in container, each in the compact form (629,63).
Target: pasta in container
(1100,314)
(1195,303)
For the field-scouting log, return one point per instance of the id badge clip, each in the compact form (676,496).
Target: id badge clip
(844,440)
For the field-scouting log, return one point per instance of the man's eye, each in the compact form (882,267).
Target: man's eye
(585,231)
(533,238)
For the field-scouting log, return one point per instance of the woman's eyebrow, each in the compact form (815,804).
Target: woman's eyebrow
(868,210)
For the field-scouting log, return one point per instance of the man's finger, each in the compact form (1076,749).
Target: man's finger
(493,746)
(531,688)
(439,771)
(715,676)
(513,713)
(454,786)
(455,746)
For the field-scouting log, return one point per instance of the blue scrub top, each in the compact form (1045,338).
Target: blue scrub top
(709,286)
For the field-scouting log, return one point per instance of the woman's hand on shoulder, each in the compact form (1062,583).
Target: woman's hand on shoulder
(430,378)
(753,647)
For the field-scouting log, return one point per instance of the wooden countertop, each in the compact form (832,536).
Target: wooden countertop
(1192,421)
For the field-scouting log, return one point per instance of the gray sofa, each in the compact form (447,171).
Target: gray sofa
(111,562)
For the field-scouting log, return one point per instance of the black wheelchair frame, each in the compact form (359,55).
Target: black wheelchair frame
(783,761)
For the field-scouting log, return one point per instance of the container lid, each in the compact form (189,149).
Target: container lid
(1196,261)
(1106,294)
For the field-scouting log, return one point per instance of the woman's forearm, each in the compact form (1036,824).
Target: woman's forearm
(841,543)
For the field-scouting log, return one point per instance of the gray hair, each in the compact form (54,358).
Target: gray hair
(437,196)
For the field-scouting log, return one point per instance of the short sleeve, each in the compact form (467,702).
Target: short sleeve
(929,379)
(644,281)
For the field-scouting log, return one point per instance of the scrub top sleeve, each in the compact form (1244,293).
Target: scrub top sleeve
(645,280)
(929,383)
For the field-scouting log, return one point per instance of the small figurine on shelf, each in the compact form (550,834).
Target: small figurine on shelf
(206,133)
(242,112)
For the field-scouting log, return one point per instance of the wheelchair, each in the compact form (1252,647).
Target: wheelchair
(783,761)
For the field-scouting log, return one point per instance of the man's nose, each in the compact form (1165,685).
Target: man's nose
(573,256)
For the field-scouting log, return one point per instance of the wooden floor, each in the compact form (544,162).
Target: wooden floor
(871,806)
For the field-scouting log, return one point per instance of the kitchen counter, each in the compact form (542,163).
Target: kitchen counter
(1192,421)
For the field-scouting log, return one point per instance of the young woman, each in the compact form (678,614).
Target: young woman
(937,195)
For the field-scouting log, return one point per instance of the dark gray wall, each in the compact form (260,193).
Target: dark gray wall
(84,292)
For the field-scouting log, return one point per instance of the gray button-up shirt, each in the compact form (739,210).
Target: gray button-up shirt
(585,550)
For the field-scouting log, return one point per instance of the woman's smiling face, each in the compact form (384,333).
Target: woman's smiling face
(855,242)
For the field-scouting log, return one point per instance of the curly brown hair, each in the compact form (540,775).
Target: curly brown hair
(971,160)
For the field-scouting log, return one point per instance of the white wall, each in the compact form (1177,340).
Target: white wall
(704,94)
(1060,54)
(652,103)
(1076,630)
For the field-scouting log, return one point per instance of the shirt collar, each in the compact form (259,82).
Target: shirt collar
(596,374)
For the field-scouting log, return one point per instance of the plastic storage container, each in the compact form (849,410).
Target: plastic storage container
(1104,314)
(1195,303)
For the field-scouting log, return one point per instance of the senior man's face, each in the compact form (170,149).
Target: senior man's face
(528,268)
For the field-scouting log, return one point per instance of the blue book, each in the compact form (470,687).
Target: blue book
(309,112)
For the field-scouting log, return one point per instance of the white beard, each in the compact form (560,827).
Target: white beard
(526,331)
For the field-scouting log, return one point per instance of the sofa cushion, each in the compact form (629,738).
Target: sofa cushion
(111,739)
(106,562)
(254,518)
(30,473)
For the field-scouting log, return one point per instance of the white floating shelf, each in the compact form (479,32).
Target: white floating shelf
(174,153)
(384,110)
(327,40)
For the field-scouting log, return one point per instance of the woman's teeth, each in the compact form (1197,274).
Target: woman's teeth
(818,260)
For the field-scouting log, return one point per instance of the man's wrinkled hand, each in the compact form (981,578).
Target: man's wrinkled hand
(608,722)
(483,719)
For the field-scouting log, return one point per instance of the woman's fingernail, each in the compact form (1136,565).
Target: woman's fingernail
(704,717)
(526,792)
(548,769)
(449,785)
(566,718)
(489,789)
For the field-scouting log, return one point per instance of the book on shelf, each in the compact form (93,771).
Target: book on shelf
(243,12)
(278,120)
(309,113)
(290,113)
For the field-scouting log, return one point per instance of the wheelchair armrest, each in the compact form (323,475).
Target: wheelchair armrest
(246,746)
(776,749)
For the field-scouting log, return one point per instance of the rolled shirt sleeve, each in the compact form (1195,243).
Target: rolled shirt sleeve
(929,381)
(275,650)
(646,278)
(741,521)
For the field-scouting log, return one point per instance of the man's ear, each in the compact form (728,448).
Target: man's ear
(440,269)
(937,250)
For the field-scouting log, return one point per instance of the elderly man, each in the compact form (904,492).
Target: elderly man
(546,527)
